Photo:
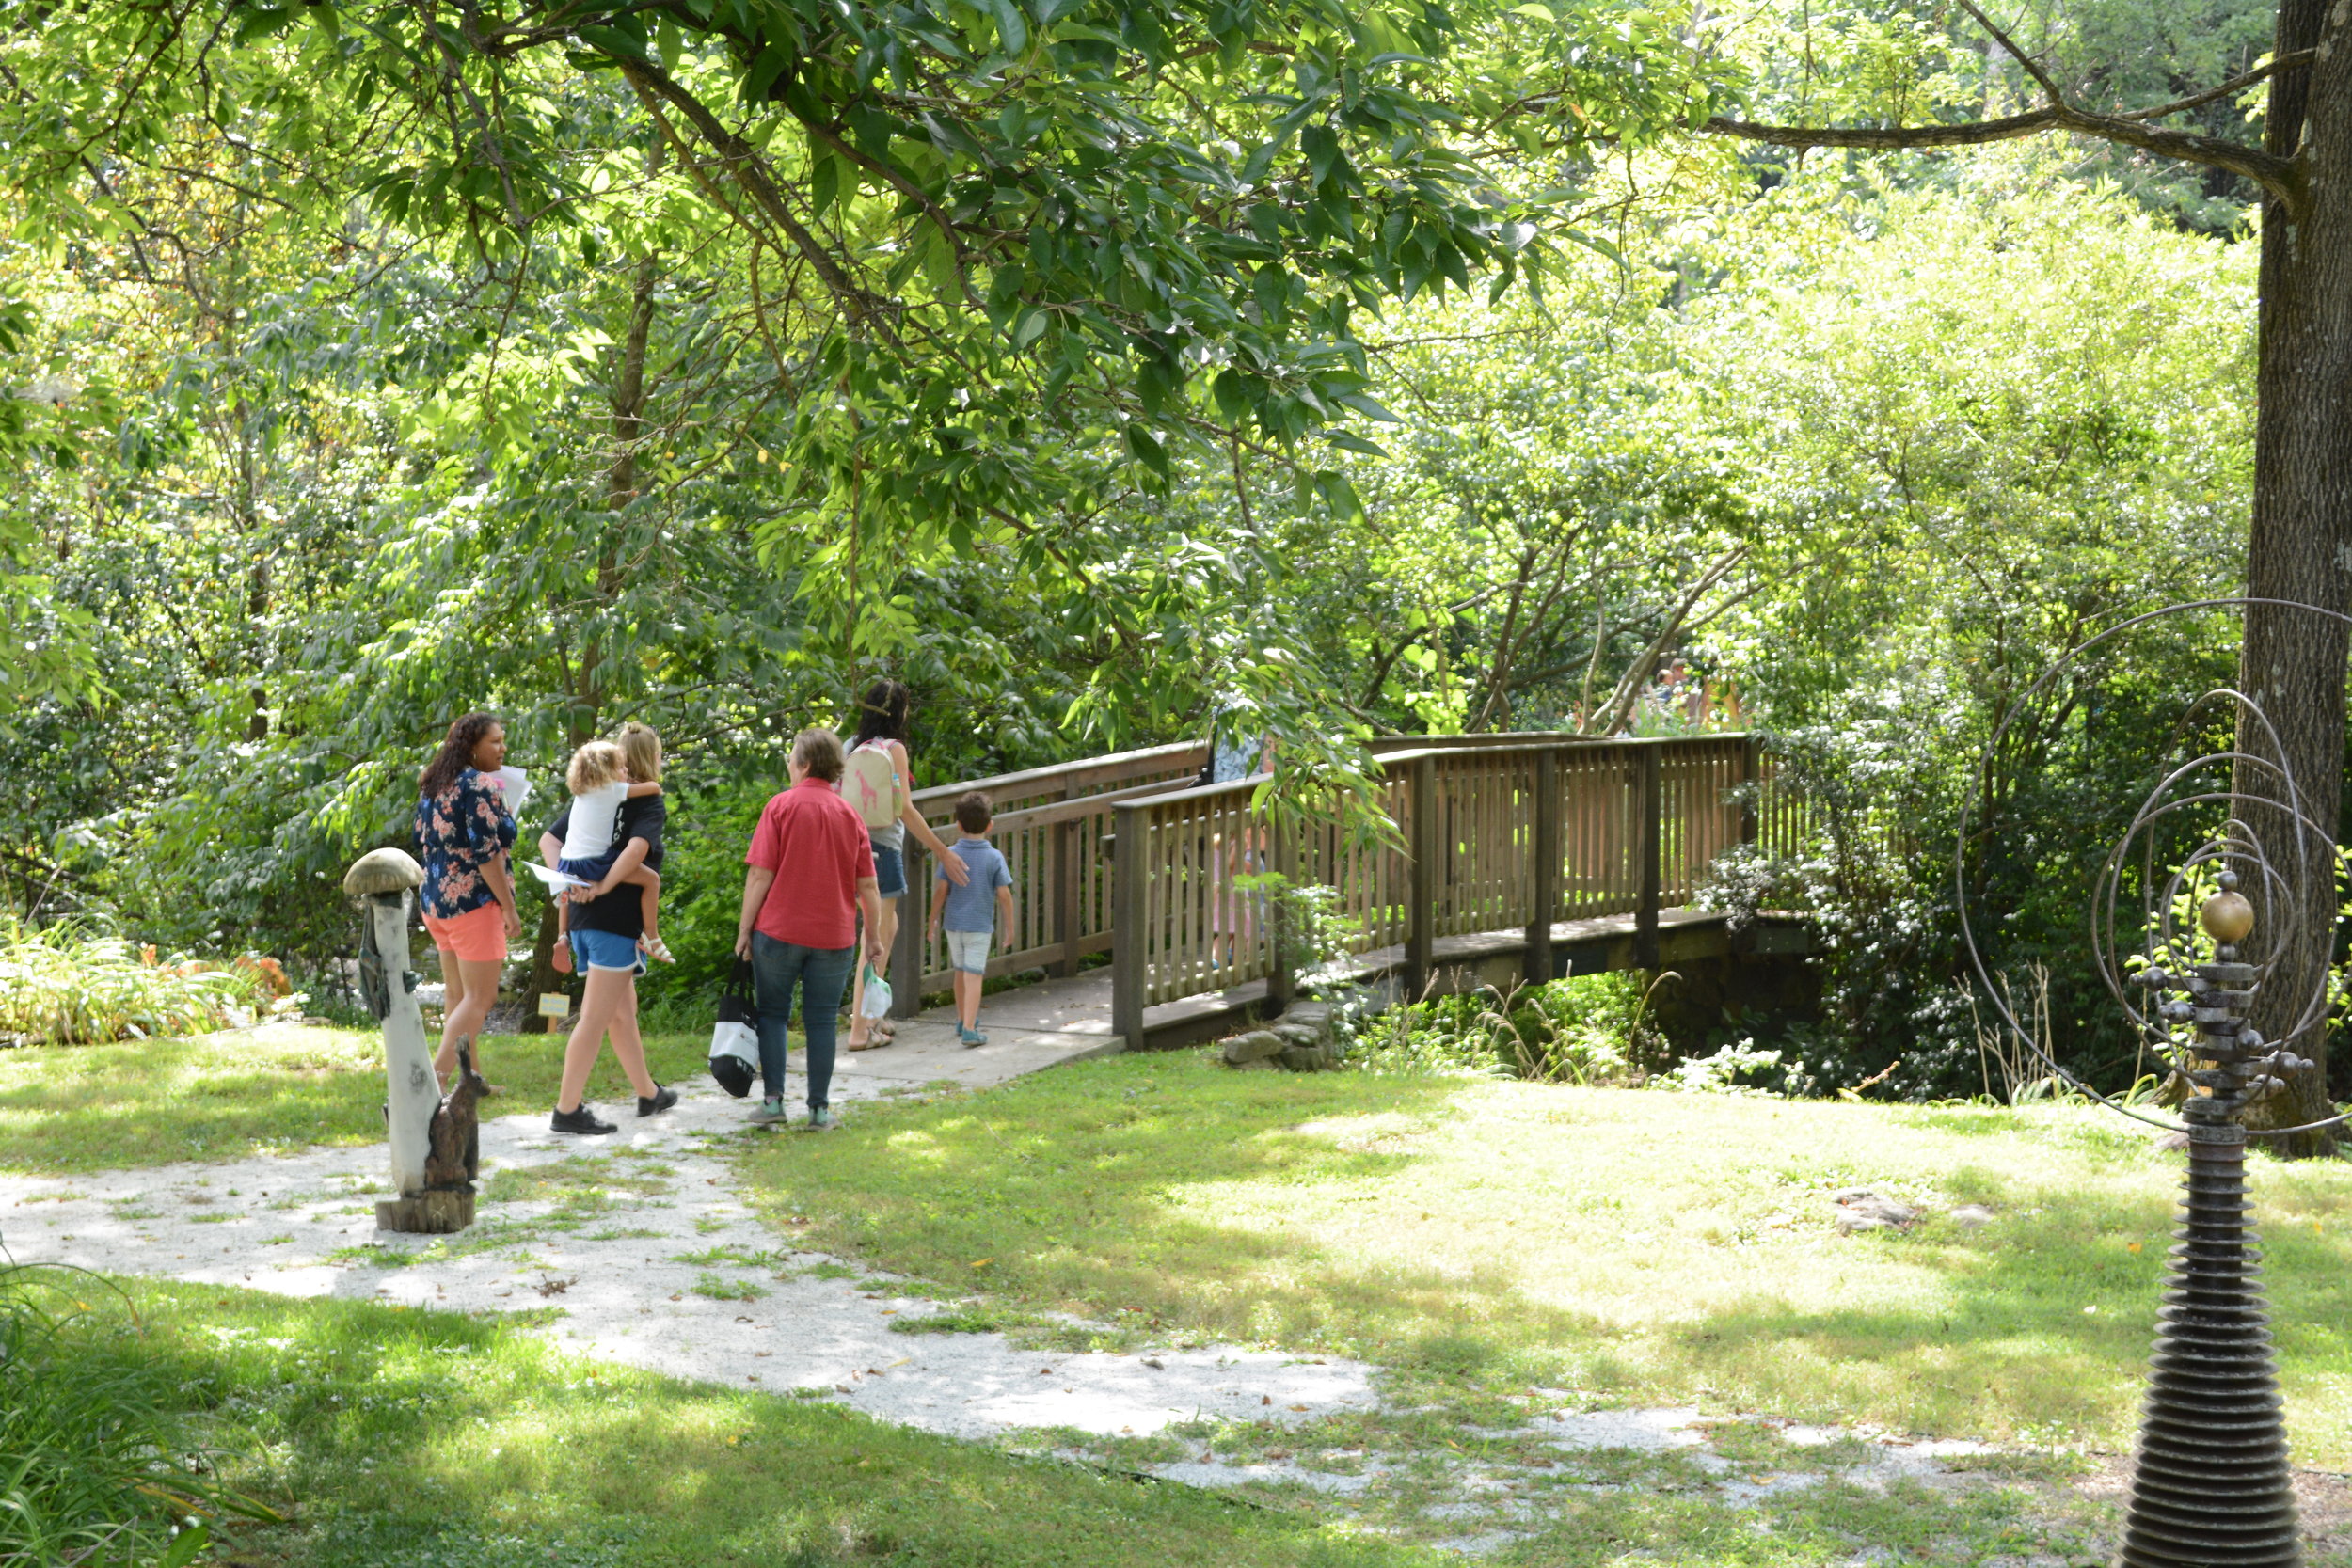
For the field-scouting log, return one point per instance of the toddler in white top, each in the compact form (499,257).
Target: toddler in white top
(598,779)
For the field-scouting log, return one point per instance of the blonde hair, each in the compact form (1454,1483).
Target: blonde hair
(643,748)
(594,765)
(820,752)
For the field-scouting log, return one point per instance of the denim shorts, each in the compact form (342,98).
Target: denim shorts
(607,950)
(967,951)
(890,871)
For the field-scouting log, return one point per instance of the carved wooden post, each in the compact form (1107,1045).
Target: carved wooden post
(1130,888)
(1422,878)
(1652,808)
(906,950)
(1545,882)
(1069,877)
(432,1141)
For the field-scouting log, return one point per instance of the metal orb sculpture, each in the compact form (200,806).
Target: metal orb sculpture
(2211,1484)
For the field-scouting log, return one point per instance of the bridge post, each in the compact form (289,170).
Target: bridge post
(1129,887)
(1653,809)
(1751,769)
(1422,879)
(906,949)
(1545,882)
(1283,932)
(1068,876)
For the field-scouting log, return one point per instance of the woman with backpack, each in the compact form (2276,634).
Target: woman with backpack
(878,781)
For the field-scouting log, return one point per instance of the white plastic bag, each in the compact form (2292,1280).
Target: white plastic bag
(876,1003)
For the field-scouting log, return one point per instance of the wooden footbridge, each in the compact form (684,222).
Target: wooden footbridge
(1521,855)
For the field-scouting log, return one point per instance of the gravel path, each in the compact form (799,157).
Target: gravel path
(642,1239)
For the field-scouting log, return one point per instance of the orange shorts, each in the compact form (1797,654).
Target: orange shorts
(476,937)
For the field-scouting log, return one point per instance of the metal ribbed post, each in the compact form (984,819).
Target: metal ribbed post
(2210,1483)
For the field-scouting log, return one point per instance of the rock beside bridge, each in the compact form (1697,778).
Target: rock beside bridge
(1302,1042)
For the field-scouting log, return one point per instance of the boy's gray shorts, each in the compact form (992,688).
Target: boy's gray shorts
(968,950)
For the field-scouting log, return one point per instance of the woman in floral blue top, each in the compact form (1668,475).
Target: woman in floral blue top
(464,831)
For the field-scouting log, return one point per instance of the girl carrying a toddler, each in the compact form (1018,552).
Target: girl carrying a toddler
(598,779)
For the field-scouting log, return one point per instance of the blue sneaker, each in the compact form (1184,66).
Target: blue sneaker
(771,1111)
(970,1037)
(820,1118)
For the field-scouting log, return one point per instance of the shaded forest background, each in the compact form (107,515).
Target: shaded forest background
(299,475)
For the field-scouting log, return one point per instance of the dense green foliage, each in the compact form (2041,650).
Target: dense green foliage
(60,985)
(1097,368)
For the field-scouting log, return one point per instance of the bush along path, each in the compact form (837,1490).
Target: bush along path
(640,1249)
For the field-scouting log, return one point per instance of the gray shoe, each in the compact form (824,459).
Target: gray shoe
(821,1119)
(771,1113)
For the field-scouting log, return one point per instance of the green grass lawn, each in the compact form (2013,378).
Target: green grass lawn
(69,1109)
(398,1439)
(385,1438)
(1635,1246)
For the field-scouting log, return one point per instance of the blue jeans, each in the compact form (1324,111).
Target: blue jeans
(822,973)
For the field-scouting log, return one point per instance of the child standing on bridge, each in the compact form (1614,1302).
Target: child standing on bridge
(970,913)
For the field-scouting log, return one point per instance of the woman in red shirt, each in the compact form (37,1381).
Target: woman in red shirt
(810,873)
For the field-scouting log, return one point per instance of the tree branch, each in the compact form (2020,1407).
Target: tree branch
(2234,85)
(2284,178)
(750,171)
(2016,53)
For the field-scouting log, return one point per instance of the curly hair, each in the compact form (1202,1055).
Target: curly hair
(456,753)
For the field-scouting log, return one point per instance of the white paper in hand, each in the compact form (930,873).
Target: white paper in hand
(557,881)
(514,785)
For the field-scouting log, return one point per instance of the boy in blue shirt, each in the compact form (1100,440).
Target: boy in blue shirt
(970,913)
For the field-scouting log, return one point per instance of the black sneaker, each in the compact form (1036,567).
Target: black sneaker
(579,1120)
(664,1097)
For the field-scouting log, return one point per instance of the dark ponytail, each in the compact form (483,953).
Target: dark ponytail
(881,713)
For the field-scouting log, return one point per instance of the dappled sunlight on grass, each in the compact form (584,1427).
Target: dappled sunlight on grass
(401,1431)
(66,1109)
(1638,1245)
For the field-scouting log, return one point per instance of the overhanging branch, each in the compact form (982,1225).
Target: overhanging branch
(751,172)
(2281,177)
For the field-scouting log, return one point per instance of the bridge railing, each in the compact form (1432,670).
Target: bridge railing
(1050,826)
(1510,834)
(1120,855)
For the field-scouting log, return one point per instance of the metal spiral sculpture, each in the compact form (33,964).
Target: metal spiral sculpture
(2210,1483)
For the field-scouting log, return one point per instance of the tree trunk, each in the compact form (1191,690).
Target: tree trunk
(620,488)
(2293,662)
